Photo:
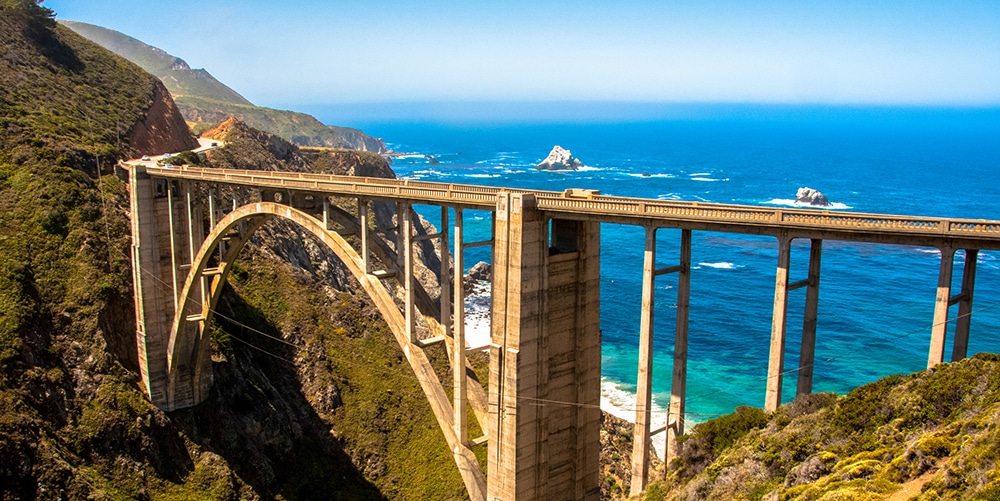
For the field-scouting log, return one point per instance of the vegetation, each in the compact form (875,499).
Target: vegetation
(74,422)
(178,77)
(934,433)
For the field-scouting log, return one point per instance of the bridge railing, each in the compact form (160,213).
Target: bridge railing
(484,197)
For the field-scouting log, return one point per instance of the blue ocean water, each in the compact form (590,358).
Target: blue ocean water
(876,301)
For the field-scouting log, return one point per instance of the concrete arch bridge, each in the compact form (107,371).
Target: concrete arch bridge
(545,344)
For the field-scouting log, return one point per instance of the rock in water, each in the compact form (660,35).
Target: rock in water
(481,271)
(560,159)
(811,197)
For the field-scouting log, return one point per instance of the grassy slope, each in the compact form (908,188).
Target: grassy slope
(944,423)
(178,77)
(67,407)
(74,423)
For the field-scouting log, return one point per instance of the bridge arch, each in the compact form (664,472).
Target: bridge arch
(188,345)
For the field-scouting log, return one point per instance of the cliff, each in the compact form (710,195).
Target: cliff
(162,129)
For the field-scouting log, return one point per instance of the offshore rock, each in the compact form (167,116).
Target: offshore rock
(811,197)
(560,159)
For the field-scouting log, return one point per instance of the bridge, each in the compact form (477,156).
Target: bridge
(189,225)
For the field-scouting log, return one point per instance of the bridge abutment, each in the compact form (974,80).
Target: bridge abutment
(545,356)
(164,239)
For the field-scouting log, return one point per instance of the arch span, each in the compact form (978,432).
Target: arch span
(188,346)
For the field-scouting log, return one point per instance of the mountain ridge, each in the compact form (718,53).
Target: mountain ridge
(205,101)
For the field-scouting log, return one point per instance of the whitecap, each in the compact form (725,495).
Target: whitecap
(588,168)
(482,175)
(794,203)
(709,179)
(719,266)
(477,315)
(621,404)
(700,174)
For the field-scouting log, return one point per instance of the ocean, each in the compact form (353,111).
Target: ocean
(876,301)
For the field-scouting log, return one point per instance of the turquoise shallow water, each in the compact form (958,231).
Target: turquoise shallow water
(876,301)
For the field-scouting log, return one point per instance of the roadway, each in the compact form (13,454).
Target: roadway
(590,205)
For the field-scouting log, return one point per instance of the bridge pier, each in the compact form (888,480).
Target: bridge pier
(674,428)
(944,300)
(545,357)
(776,361)
(160,219)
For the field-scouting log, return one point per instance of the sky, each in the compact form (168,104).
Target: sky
(311,52)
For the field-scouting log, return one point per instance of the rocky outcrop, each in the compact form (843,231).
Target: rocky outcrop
(560,159)
(812,197)
(163,130)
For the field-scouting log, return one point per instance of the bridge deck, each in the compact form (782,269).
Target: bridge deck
(581,205)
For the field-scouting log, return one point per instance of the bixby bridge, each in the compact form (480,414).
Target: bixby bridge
(189,225)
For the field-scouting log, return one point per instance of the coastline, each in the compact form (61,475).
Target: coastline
(616,401)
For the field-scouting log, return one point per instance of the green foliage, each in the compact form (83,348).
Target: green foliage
(707,440)
(382,416)
(941,424)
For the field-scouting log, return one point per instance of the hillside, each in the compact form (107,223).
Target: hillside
(927,436)
(175,73)
(74,422)
(205,101)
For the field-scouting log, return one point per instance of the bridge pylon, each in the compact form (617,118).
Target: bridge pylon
(545,356)
(164,242)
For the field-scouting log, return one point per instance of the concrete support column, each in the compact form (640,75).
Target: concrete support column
(173,241)
(515,374)
(960,347)
(460,391)
(807,357)
(401,208)
(363,228)
(939,330)
(545,347)
(644,382)
(678,389)
(444,278)
(776,362)
(326,212)
(406,230)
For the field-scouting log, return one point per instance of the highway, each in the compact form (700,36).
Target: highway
(580,204)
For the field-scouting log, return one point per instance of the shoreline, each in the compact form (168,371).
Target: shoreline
(614,400)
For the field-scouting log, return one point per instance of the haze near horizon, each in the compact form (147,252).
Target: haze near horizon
(313,53)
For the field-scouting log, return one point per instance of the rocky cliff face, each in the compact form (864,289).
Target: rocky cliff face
(163,129)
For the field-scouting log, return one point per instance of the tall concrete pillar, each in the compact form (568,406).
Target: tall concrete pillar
(807,356)
(960,347)
(678,386)
(644,381)
(165,227)
(545,357)
(939,329)
(779,321)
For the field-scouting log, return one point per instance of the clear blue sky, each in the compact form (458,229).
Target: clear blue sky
(318,52)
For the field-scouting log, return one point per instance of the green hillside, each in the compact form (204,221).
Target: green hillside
(927,436)
(176,75)
(205,101)
(309,422)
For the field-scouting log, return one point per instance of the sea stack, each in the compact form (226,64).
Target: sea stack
(560,159)
(811,197)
